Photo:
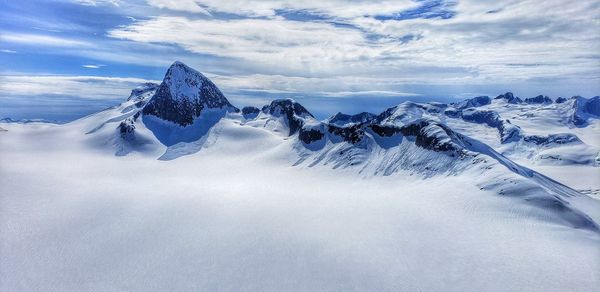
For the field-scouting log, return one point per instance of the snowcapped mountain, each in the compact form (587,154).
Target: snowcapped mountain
(183,96)
(184,113)
(208,173)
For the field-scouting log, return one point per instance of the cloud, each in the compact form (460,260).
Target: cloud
(92,66)
(472,46)
(339,48)
(79,87)
(41,40)
(8,51)
(179,5)
(269,8)
(265,44)
(338,86)
(97,2)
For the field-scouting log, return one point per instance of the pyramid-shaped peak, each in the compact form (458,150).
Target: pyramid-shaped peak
(178,65)
(184,94)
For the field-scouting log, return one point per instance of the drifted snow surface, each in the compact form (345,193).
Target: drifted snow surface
(237,215)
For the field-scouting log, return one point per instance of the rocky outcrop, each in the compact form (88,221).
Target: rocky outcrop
(250,112)
(540,99)
(474,102)
(292,112)
(509,98)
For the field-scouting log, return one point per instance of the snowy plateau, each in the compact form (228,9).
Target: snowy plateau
(177,189)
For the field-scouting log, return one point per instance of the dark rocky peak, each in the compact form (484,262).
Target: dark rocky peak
(250,112)
(184,94)
(509,97)
(474,102)
(293,113)
(540,99)
(283,107)
(561,100)
(428,134)
(343,120)
(140,92)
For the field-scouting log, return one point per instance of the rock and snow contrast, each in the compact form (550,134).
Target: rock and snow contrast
(177,189)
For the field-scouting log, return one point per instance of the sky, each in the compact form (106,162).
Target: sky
(63,59)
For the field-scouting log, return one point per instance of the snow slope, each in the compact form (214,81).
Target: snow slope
(239,217)
(408,200)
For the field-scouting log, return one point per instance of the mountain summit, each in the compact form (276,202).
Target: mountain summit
(184,94)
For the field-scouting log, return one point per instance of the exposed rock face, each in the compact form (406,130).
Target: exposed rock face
(250,112)
(583,109)
(452,113)
(385,114)
(385,130)
(540,99)
(592,106)
(127,130)
(552,139)
(352,134)
(474,102)
(310,135)
(509,132)
(428,134)
(184,94)
(432,135)
(292,112)
(509,97)
(560,100)
(491,118)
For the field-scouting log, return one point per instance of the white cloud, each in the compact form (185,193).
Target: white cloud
(8,51)
(268,8)
(286,47)
(486,41)
(338,86)
(97,2)
(180,5)
(90,87)
(41,40)
(91,66)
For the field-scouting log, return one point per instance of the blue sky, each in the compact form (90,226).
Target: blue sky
(62,59)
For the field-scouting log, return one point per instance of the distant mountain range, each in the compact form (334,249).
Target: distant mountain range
(187,112)
(501,186)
